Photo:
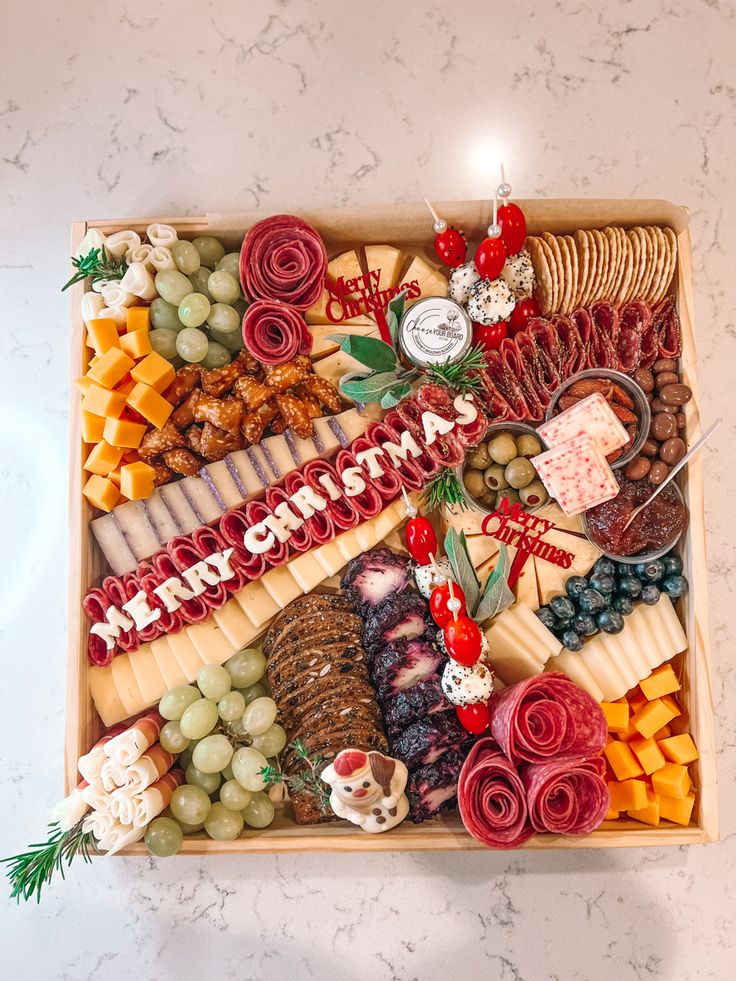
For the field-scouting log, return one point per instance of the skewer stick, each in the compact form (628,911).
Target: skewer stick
(451,604)
(434,214)
(503,174)
(495,207)
(410,509)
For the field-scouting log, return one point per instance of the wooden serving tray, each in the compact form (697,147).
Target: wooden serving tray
(408,227)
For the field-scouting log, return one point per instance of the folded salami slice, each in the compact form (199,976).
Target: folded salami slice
(636,314)
(520,361)
(256,512)
(472,433)
(545,335)
(283,258)
(379,433)
(547,716)
(628,349)
(411,412)
(94,605)
(435,398)
(233,526)
(185,554)
(320,524)
(274,332)
(341,511)
(133,584)
(300,540)
(117,596)
(567,797)
(492,799)
(584,325)
(169,622)
(447,450)
(604,334)
(426,464)
(572,349)
(667,327)
(508,386)
(208,540)
(193,610)
(368,502)
(494,404)
(389,483)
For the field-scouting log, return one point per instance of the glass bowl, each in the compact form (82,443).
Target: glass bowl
(641,406)
(642,556)
(495,428)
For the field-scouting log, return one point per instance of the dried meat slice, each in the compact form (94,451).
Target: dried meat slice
(520,359)
(572,349)
(233,526)
(567,797)
(367,502)
(322,477)
(494,404)
(300,539)
(584,325)
(628,349)
(274,332)
(604,336)
(320,524)
(278,553)
(667,328)
(388,484)
(283,258)
(378,434)
(185,554)
(492,799)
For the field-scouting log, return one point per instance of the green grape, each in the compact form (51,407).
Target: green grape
(259,715)
(233,341)
(210,250)
(236,728)
(199,281)
(259,813)
(213,753)
(164,315)
(163,837)
(208,782)
(223,286)
(230,263)
(190,804)
(190,829)
(163,342)
(192,344)
(246,667)
(227,773)
(172,285)
(224,318)
(222,824)
(194,309)
(185,758)
(186,257)
(255,691)
(199,719)
(231,706)
(246,764)
(272,741)
(171,738)
(217,356)
(233,796)
(175,702)
(213,681)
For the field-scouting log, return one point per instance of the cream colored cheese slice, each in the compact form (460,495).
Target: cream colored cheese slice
(211,643)
(307,571)
(281,586)
(571,664)
(125,684)
(186,653)
(598,661)
(168,665)
(256,603)
(235,625)
(148,676)
(388,260)
(108,703)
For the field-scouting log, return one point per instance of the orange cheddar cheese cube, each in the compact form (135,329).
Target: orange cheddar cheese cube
(155,371)
(126,386)
(150,404)
(652,716)
(123,433)
(671,702)
(114,476)
(611,814)
(630,733)
(678,810)
(102,402)
(648,754)
(663,733)
(662,681)
(672,780)
(101,493)
(83,383)
(103,459)
(136,480)
(637,700)
(622,761)
(679,749)
(92,427)
(110,368)
(137,319)
(136,344)
(617,716)
(628,795)
(103,334)
(650,813)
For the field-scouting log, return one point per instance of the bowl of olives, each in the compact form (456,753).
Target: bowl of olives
(500,467)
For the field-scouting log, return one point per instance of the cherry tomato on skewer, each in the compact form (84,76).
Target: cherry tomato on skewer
(522,312)
(475,718)
(421,540)
(463,640)
(438,603)
(513,227)
(490,257)
(451,247)
(490,337)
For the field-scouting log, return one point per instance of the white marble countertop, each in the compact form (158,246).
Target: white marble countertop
(141,108)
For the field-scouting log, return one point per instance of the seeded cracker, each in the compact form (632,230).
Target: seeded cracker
(564,274)
(603,256)
(582,250)
(627,268)
(542,272)
(613,260)
(570,277)
(594,261)
(557,269)
(573,254)
(671,240)
(645,249)
(659,269)
(635,248)
(646,282)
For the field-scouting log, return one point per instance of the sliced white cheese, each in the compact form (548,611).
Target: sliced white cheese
(334,366)
(547,645)
(469,520)
(224,484)
(185,653)
(180,508)
(307,571)
(386,522)
(571,664)
(598,661)
(161,519)
(525,588)
(345,266)
(105,696)
(148,675)
(259,462)
(249,479)
(665,614)
(235,625)
(211,643)
(201,498)
(481,548)
(303,450)
(639,632)
(256,603)
(348,544)
(281,586)
(168,665)
(113,545)
(388,260)
(317,315)
(137,530)
(554,513)
(352,423)
(616,645)
(519,644)
(330,558)
(512,665)
(276,451)
(125,684)
(326,434)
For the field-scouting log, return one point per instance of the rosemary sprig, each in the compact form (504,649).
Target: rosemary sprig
(30,871)
(444,489)
(97,264)
(306,781)
(459,374)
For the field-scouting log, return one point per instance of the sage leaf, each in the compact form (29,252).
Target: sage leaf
(394,315)
(456,550)
(371,388)
(394,395)
(370,351)
(496,596)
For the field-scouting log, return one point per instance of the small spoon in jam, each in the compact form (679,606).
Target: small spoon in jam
(688,456)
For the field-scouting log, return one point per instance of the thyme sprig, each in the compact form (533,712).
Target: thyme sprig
(306,781)
(30,871)
(97,264)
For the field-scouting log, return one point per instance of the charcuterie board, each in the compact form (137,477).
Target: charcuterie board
(405,227)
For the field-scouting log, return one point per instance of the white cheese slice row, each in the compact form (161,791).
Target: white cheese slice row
(571,664)
(234,624)
(113,545)
(520,644)
(321,346)
(330,558)
(137,530)
(124,686)
(148,676)
(307,571)
(525,588)
(256,603)
(244,472)
(160,517)
(210,642)
(224,483)
(203,502)
(601,665)
(326,434)
(616,649)
(665,615)
(168,665)
(180,508)
(185,653)
(278,456)
(281,586)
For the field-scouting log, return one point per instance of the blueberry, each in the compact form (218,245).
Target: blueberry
(623,605)
(672,565)
(591,601)
(675,586)
(650,571)
(629,586)
(546,616)
(575,585)
(584,624)
(602,581)
(650,594)
(610,622)
(604,567)
(562,607)
(572,640)
(624,569)
(562,624)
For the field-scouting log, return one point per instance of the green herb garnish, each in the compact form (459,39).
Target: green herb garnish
(306,781)
(444,489)
(460,374)
(97,264)
(30,871)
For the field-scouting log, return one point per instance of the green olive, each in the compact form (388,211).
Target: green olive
(478,458)
(511,496)
(494,478)
(533,494)
(527,445)
(474,483)
(488,499)
(520,472)
(502,448)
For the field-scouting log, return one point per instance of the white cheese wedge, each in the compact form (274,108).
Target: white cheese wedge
(307,571)
(327,437)
(281,586)
(615,646)
(599,662)
(201,498)
(334,366)
(430,280)
(520,644)
(276,451)
(168,665)
(571,664)
(247,475)
(148,676)
(388,260)
(256,603)
(137,530)
(224,484)
(470,520)
(317,315)
(161,519)
(481,548)
(125,684)
(114,547)
(211,643)
(330,558)
(185,653)
(345,265)
(671,632)
(235,625)
(525,588)
(322,346)
(180,508)
(554,513)
(551,578)
(104,694)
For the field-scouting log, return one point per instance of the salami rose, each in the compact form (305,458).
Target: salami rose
(491,798)
(568,797)
(547,716)
(283,258)
(274,333)
(95,604)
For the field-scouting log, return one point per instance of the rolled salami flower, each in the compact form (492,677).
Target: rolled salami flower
(90,307)
(115,313)
(120,243)
(127,747)
(94,239)
(139,281)
(90,764)
(70,811)
(160,234)
(141,253)
(161,258)
(147,770)
(115,296)
(156,798)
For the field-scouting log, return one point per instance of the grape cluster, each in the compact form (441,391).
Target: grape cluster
(198,313)
(601,600)
(224,731)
